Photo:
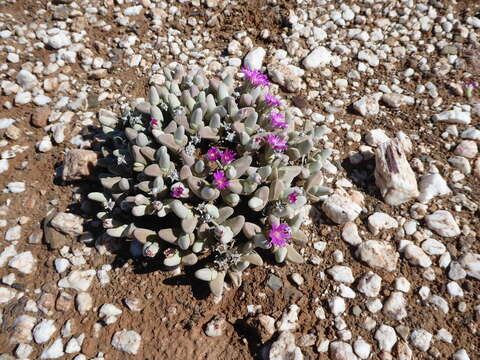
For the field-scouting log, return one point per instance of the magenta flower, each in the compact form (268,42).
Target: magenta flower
(272,100)
(276,142)
(177,191)
(227,156)
(220,180)
(292,197)
(472,84)
(153,122)
(278,120)
(255,77)
(214,154)
(279,234)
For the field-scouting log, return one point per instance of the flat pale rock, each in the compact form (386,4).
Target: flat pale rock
(378,254)
(67,223)
(78,280)
(443,223)
(341,209)
(78,164)
(127,341)
(471,264)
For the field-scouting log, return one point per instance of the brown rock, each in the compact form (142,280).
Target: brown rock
(64,302)
(476,168)
(78,164)
(46,303)
(40,116)
(97,74)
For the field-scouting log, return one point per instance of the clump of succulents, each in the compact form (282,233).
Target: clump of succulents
(206,169)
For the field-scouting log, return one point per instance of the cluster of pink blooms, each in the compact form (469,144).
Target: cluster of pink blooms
(226,157)
(272,100)
(153,122)
(292,197)
(220,180)
(177,191)
(255,77)
(278,120)
(279,234)
(276,142)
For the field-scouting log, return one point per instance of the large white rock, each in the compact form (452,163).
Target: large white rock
(68,223)
(395,100)
(416,256)
(443,223)
(375,137)
(341,273)
(370,284)
(455,116)
(367,105)
(54,351)
(59,40)
(284,348)
(23,262)
(421,339)
(378,254)
(350,234)
(471,264)
(26,79)
(433,247)
(7,294)
(319,57)
(386,337)
(341,209)
(380,221)
(393,174)
(127,341)
(340,350)
(432,185)
(362,348)
(254,58)
(78,280)
(44,330)
(395,307)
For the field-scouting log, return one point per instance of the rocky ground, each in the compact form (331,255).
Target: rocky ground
(393,263)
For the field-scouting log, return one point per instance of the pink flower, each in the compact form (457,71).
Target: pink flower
(278,120)
(177,191)
(472,84)
(292,197)
(272,100)
(227,156)
(279,234)
(276,142)
(153,122)
(220,180)
(256,77)
(214,154)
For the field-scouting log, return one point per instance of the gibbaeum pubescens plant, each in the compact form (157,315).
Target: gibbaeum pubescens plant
(205,169)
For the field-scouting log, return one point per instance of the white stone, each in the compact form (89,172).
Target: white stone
(454,289)
(26,80)
(455,116)
(289,320)
(74,345)
(14,233)
(61,265)
(41,100)
(84,302)
(367,105)
(368,56)
(341,209)
(395,100)
(378,254)
(431,186)
(127,341)
(460,355)
(78,280)
(16,187)
(133,10)
(439,302)
(443,223)
(350,234)
(109,313)
(23,351)
(346,292)
(444,335)
(44,145)
(254,58)
(375,137)
(284,348)
(471,263)
(23,262)
(7,294)
(54,351)
(59,40)
(393,174)
(44,330)
(374,305)
(23,97)
(3,165)
(370,284)
(416,256)
(433,247)
(402,284)
(340,350)
(381,221)
(362,348)
(336,305)
(341,273)
(319,57)
(68,223)
(386,337)
(395,306)
(421,339)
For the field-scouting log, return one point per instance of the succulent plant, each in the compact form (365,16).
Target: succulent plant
(205,169)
